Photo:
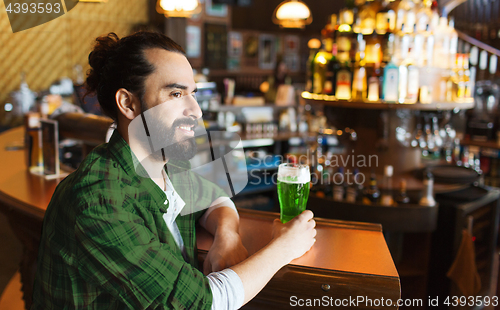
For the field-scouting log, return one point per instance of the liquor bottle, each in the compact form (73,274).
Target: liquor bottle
(391,82)
(338,185)
(359,87)
(344,77)
(483,66)
(320,64)
(453,42)
(424,16)
(493,67)
(385,20)
(473,62)
(386,198)
(417,51)
(435,17)
(427,199)
(321,184)
(402,197)
(367,15)
(373,54)
(458,79)
(413,84)
(344,42)
(441,44)
(374,84)
(429,48)
(467,77)
(406,16)
(351,193)
(331,73)
(326,182)
(403,69)
(328,33)
(354,192)
(388,47)
(372,193)
(310,64)
(316,188)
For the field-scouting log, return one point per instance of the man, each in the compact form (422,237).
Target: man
(113,236)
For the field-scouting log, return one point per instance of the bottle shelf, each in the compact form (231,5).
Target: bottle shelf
(485,144)
(381,105)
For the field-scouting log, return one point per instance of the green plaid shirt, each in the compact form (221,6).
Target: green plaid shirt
(105,244)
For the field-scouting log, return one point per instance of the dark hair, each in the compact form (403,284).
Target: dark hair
(121,63)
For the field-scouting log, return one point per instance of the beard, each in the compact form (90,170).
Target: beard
(173,148)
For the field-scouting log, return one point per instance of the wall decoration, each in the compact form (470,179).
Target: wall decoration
(215,46)
(292,62)
(235,44)
(219,10)
(267,51)
(278,43)
(193,41)
(292,44)
(251,46)
(233,63)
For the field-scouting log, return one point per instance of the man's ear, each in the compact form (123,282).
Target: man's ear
(128,104)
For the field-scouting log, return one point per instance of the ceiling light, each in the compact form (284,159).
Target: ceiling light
(178,8)
(292,14)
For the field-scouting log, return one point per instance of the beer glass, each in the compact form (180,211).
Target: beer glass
(293,190)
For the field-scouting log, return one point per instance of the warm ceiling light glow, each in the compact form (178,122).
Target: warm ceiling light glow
(314,43)
(292,14)
(178,8)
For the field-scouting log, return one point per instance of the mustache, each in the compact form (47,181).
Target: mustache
(185,122)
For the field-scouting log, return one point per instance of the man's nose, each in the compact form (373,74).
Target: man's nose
(193,108)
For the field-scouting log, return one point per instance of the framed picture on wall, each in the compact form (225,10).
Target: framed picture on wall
(267,51)
(215,46)
(292,62)
(219,10)
(233,63)
(235,44)
(292,44)
(193,41)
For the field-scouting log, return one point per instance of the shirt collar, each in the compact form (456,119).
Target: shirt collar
(122,154)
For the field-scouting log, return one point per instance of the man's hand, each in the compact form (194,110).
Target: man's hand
(290,240)
(226,251)
(297,236)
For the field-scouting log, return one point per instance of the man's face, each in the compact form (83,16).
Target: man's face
(170,96)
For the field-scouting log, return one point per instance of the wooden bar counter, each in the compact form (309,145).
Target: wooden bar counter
(349,266)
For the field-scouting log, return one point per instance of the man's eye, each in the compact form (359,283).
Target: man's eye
(177,94)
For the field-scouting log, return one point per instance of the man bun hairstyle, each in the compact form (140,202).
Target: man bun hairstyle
(121,63)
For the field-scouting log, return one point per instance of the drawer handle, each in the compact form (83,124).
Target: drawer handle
(325,287)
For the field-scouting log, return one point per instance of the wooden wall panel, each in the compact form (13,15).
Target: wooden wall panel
(49,51)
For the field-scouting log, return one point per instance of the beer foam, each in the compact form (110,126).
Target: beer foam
(293,175)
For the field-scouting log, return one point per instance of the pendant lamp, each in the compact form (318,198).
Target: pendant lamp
(292,14)
(178,8)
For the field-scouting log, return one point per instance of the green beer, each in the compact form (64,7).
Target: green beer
(293,190)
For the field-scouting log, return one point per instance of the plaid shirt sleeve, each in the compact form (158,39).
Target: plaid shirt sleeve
(118,253)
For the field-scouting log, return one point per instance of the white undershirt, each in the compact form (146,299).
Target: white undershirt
(226,286)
